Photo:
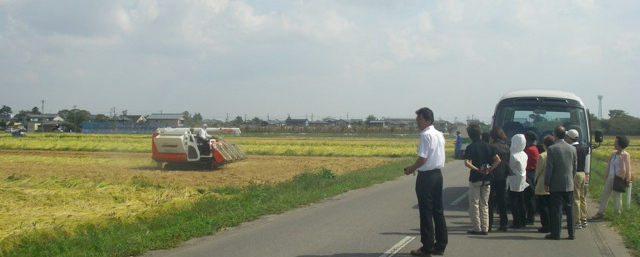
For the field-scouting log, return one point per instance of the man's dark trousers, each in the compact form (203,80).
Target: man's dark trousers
(429,191)
(560,201)
(542,206)
(498,199)
(529,196)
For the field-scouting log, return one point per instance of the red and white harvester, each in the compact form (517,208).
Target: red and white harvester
(182,147)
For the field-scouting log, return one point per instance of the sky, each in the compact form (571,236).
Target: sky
(314,59)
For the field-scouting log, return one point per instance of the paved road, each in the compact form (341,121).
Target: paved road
(383,221)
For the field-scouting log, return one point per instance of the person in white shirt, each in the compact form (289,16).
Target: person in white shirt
(429,183)
(202,133)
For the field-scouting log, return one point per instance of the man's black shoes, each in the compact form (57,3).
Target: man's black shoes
(552,237)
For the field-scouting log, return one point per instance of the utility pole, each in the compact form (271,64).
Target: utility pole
(42,107)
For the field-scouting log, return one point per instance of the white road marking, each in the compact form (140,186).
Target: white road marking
(457,201)
(393,250)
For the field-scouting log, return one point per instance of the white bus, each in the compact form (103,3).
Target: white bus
(540,111)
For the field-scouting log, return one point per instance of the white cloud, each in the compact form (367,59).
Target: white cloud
(453,11)
(322,25)
(583,51)
(408,44)
(628,44)
(244,13)
(272,51)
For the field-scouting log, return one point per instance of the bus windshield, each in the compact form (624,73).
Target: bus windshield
(541,119)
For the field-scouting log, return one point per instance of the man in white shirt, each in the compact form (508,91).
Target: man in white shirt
(202,133)
(203,143)
(429,183)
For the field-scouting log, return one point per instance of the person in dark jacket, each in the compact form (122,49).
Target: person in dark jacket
(497,195)
(481,159)
(532,159)
(579,191)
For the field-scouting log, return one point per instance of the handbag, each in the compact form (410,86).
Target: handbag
(620,184)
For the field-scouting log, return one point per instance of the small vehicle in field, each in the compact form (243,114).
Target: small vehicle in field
(182,147)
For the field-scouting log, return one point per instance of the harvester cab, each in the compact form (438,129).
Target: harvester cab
(180,147)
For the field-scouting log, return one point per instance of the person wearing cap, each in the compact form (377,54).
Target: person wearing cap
(203,141)
(579,181)
(202,133)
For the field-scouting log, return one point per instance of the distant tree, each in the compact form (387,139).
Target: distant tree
(616,113)
(197,118)
(124,112)
(621,123)
(237,121)
(256,120)
(21,114)
(188,120)
(75,116)
(101,118)
(5,110)
(369,119)
(35,110)
(596,124)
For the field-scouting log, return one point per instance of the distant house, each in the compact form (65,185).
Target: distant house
(296,122)
(129,118)
(272,123)
(5,118)
(171,119)
(441,125)
(377,123)
(356,121)
(319,123)
(342,123)
(42,122)
(402,123)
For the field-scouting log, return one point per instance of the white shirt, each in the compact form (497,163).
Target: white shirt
(614,165)
(202,133)
(431,147)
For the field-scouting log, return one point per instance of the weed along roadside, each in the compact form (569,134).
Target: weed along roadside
(227,207)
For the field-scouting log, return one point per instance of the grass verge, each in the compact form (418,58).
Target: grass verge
(170,227)
(627,223)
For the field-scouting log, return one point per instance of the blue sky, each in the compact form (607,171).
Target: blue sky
(314,58)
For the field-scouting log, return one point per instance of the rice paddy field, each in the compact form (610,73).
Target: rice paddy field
(606,148)
(61,181)
(58,182)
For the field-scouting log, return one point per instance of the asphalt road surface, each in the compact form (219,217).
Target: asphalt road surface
(383,221)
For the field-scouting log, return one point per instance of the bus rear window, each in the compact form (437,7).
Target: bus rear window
(540,119)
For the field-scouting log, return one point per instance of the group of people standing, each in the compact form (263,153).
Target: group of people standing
(548,181)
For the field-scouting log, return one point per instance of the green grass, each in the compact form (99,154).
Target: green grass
(231,206)
(627,223)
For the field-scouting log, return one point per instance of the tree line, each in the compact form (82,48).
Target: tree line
(618,123)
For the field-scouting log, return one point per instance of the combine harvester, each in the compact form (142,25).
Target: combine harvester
(182,147)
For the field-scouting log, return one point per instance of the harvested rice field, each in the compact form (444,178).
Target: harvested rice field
(44,189)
